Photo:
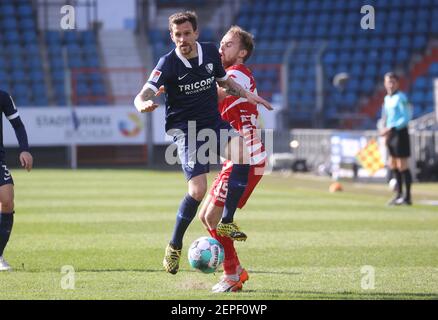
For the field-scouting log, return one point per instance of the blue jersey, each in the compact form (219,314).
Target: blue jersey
(191,93)
(396,111)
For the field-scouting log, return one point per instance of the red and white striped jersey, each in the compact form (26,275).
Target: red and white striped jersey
(243,115)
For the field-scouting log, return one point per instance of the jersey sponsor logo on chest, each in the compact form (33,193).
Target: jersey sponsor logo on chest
(196,86)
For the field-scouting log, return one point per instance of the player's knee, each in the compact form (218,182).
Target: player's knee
(237,151)
(198,193)
(6,206)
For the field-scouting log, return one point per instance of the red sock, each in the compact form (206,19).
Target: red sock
(230,253)
(212,233)
(236,261)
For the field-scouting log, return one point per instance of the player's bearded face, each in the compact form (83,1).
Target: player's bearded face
(185,38)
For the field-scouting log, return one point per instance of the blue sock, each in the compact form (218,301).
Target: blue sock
(6,223)
(186,213)
(236,187)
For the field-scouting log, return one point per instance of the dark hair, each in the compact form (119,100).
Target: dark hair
(181,17)
(391,75)
(246,40)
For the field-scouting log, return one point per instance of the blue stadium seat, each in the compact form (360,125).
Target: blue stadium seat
(12,37)
(421,27)
(71,37)
(404,42)
(421,83)
(370,70)
(330,58)
(74,49)
(34,62)
(10,24)
(88,38)
(8,10)
(39,89)
(41,101)
(29,37)
(419,42)
(286,6)
(27,24)
(59,88)
(18,75)
(417,97)
(25,10)
(4,77)
(53,38)
(367,86)
(402,56)
(387,56)
(36,76)
(433,69)
(82,89)
(97,89)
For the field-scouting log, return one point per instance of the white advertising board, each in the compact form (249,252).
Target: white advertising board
(58,126)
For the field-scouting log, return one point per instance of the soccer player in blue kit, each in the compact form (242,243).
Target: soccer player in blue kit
(7,107)
(189,74)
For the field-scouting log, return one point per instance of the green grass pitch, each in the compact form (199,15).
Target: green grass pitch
(112,227)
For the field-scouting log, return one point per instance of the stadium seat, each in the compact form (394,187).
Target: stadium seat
(433,69)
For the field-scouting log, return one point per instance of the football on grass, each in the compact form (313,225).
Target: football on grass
(206,254)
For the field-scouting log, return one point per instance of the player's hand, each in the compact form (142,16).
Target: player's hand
(385,132)
(26,160)
(255,99)
(146,106)
(160,91)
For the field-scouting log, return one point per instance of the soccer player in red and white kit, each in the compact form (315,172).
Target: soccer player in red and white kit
(235,48)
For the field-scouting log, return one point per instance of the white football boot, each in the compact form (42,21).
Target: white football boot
(4,266)
(227,284)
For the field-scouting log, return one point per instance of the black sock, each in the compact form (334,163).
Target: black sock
(6,223)
(236,187)
(407,177)
(186,213)
(398,177)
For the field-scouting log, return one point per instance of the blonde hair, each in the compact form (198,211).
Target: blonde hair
(246,40)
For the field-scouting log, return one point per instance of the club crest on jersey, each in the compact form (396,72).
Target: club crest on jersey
(155,75)
(209,67)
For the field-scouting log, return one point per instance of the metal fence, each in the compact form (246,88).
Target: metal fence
(315,146)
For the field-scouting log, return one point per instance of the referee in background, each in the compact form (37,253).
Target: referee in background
(396,115)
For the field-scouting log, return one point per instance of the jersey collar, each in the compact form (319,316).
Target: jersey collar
(185,61)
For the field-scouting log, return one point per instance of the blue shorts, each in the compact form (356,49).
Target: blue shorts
(5,175)
(197,149)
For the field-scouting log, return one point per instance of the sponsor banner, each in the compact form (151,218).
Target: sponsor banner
(57,126)
(106,125)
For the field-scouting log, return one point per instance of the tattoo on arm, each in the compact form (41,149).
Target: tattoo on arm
(233,88)
(147,94)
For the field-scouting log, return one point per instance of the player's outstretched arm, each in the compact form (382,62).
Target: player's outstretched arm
(235,89)
(143,101)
